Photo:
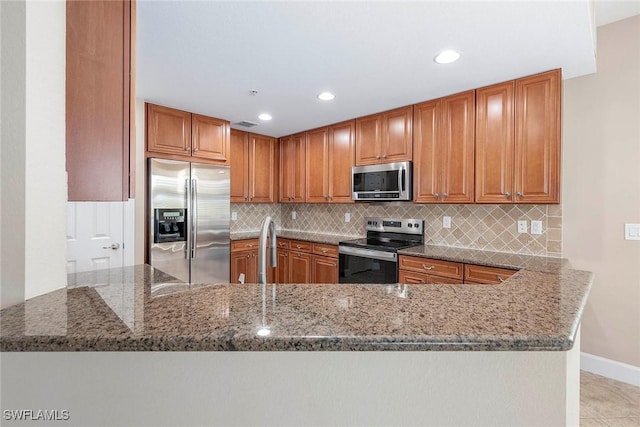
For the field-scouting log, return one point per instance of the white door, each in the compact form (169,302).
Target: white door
(95,236)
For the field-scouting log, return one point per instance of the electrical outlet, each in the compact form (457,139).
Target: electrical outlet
(446,222)
(632,231)
(522,226)
(347,217)
(234,216)
(294,214)
(536,227)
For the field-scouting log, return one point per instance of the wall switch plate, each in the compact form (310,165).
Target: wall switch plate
(234,216)
(446,222)
(347,217)
(522,226)
(632,232)
(294,214)
(536,227)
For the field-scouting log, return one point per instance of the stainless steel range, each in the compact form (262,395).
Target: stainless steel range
(374,259)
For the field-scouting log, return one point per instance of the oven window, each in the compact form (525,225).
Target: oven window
(376,181)
(355,269)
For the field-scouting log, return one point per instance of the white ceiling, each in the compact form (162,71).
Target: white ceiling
(206,56)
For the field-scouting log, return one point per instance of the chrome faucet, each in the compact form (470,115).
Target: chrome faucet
(268,228)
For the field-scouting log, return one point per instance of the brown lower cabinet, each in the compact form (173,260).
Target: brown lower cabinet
(244,260)
(418,270)
(305,262)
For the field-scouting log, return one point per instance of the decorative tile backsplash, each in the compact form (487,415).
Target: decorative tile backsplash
(488,227)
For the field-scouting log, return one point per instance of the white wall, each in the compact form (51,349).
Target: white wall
(33,149)
(601,190)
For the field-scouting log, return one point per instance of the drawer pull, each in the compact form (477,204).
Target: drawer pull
(250,245)
(500,279)
(428,268)
(298,247)
(324,251)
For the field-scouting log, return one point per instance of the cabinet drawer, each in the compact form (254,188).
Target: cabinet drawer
(243,245)
(325,250)
(413,278)
(483,274)
(299,245)
(431,266)
(282,243)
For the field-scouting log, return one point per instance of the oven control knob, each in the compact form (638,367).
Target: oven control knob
(410,225)
(416,225)
(368,222)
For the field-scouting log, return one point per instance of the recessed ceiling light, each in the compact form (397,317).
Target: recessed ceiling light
(447,57)
(265,116)
(326,96)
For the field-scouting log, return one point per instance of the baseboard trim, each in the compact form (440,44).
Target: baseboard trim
(610,368)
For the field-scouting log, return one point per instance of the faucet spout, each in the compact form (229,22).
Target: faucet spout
(267,230)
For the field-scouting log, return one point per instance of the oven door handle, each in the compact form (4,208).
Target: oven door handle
(368,253)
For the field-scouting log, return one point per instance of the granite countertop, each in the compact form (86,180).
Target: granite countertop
(329,239)
(142,309)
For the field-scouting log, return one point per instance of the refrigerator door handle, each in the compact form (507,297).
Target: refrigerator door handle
(187,247)
(194,228)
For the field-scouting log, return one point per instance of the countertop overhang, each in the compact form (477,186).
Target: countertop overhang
(140,308)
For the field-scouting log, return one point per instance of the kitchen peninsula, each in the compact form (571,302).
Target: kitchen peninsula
(294,354)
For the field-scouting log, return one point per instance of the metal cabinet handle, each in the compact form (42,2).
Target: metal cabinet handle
(436,195)
(428,268)
(500,279)
(333,265)
(250,245)
(377,157)
(445,195)
(519,194)
(187,149)
(384,156)
(507,194)
(113,246)
(298,247)
(324,251)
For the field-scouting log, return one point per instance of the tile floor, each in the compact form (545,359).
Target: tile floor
(608,403)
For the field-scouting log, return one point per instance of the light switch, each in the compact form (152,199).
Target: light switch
(347,217)
(522,226)
(536,227)
(294,214)
(446,222)
(632,231)
(234,216)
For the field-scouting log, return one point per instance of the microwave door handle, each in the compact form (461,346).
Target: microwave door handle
(401,180)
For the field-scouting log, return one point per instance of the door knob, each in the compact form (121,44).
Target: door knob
(114,246)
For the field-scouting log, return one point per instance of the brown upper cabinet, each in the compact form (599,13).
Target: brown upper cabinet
(253,168)
(444,149)
(99,95)
(293,155)
(385,137)
(518,140)
(181,135)
(330,156)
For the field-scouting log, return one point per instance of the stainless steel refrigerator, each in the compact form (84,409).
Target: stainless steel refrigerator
(189,219)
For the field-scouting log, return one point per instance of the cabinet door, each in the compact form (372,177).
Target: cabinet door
(537,146)
(287,166)
(168,130)
(262,169)
(426,169)
(299,267)
(495,144)
(317,166)
(242,263)
(282,269)
(341,157)
(98,95)
(397,135)
(325,270)
(369,139)
(293,151)
(210,138)
(239,164)
(457,143)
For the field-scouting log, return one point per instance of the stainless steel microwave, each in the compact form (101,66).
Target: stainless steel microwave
(386,182)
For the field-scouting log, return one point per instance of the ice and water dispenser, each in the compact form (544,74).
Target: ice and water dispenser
(170,225)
